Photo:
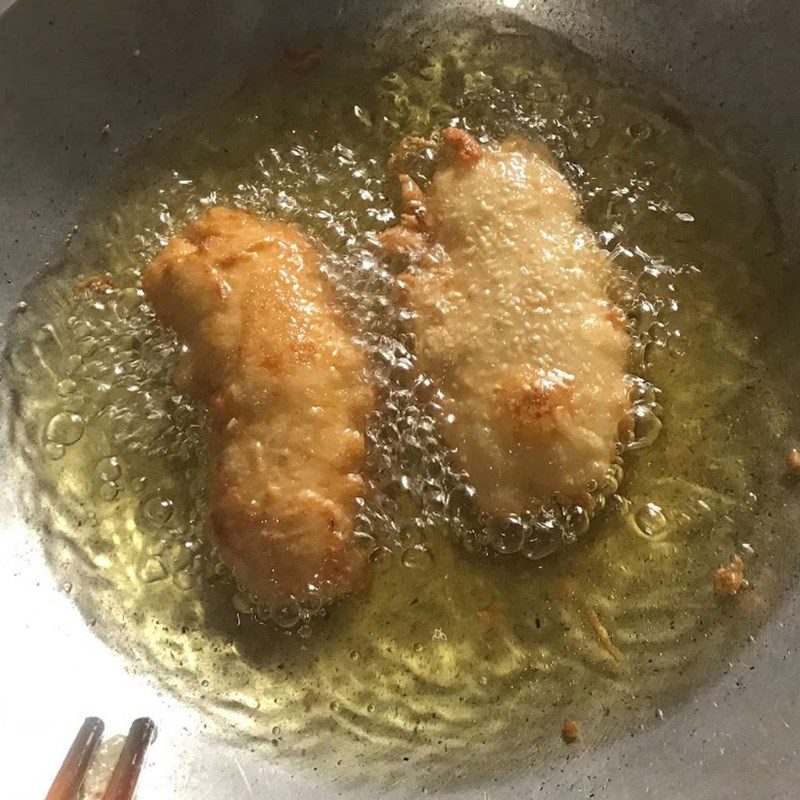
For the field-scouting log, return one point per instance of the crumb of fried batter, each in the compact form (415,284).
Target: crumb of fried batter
(402,240)
(729,578)
(604,637)
(564,588)
(536,403)
(409,146)
(570,731)
(466,148)
(618,318)
(414,201)
(302,60)
(793,461)
(94,283)
(491,614)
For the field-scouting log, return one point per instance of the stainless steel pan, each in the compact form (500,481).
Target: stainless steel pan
(67,68)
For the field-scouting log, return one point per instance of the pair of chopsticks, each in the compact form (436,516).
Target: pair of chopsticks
(126,773)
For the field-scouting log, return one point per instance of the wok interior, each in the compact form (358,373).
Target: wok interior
(40,154)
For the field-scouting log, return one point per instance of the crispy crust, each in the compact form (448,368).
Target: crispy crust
(287,393)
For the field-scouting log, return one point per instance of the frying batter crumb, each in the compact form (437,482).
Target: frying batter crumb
(409,146)
(94,283)
(564,587)
(492,616)
(467,150)
(402,240)
(413,201)
(604,637)
(536,403)
(105,130)
(617,318)
(570,731)
(793,461)
(487,614)
(729,578)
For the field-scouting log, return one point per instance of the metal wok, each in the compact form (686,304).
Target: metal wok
(64,70)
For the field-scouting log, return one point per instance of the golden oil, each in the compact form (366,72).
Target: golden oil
(460,663)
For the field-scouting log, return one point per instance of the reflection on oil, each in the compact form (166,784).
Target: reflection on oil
(461,664)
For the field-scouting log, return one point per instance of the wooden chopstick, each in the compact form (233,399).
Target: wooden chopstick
(126,773)
(70,776)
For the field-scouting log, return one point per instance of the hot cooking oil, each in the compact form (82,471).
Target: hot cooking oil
(472,644)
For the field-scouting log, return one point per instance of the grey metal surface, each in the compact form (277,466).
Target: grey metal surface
(65,69)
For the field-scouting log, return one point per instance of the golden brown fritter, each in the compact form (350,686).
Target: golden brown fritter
(514,322)
(287,394)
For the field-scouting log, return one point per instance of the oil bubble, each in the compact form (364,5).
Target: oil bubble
(643,315)
(675,344)
(659,333)
(64,428)
(509,538)
(638,349)
(152,570)
(156,547)
(54,451)
(646,427)
(649,521)
(577,521)
(364,541)
(612,481)
(108,469)
(186,580)
(304,630)
(544,540)
(108,491)
(178,557)
(66,387)
(286,615)
(72,363)
(157,510)
(380,555)
(48,345)
(241,603)
(416,557)
(23,356)
(639,131)
(642,392)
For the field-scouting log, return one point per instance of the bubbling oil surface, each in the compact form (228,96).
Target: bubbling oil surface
(461,663)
